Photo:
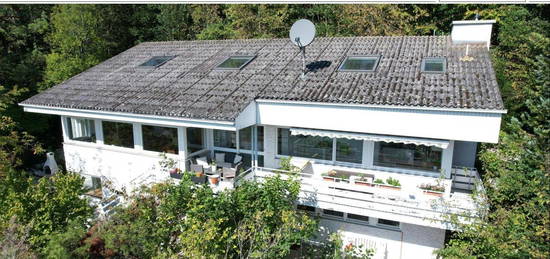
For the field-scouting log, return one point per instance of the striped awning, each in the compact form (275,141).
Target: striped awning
(372,137)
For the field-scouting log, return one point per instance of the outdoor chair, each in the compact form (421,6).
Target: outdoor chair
(220,160)
(203,160)
(307,170)
(231,173)
(197,168)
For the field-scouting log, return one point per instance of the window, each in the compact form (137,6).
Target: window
(333,213)
(387,222)
(356,217)
(306,208)
(156,61)
(245,138)
(408,156)
(360,64)
(304,146)
(434,65)
(92,186)
(160,139)
(118,134)
(235,62)
(225,138)
(81,129)
(195,140)
(349,150)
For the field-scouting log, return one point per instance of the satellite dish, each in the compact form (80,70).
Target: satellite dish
(302,33)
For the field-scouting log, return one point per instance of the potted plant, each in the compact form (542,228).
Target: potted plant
(214,179)
(329,176)
(391,183)
(432,189)
(362,180)
(175,173)
(169,164)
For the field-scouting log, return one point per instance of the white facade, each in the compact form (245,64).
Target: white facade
(421,218)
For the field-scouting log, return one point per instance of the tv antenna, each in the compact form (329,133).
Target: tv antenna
(302,34)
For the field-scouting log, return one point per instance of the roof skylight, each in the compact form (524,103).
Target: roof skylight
(235,62)
(156,61)
(360,63)
(434,65)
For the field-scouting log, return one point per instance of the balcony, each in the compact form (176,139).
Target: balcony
(408,203)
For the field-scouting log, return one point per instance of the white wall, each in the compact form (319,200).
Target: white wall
(448,125)
(410,242)
(121,166)
(472,31)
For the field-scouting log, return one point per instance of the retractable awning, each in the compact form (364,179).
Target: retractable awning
(372,137)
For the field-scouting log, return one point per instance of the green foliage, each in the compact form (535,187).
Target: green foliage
(379,181)
(255,220)
(516,173)
(66,244)
(393,181)
(45,206)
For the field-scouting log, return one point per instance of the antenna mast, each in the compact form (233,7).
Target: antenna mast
(302,34)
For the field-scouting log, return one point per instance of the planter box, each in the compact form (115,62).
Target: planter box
(328,178)
(433,193)
(391,187)
(335,179)
(176,175)
(363,183)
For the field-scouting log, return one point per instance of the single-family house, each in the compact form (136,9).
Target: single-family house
(382,130)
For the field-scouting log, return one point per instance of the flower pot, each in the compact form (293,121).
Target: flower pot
(363,183)
(391,187)
(328,178)
(340,180)
(214,179)
(175,175)
(433,193)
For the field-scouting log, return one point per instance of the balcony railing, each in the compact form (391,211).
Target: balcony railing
(317,192)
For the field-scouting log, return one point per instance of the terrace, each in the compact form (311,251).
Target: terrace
(407,203)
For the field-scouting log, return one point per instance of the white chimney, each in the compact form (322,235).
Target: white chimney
(476,31)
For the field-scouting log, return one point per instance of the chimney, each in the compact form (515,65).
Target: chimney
(476,31)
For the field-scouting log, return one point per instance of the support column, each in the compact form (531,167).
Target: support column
(98,132)
(447,159)
(64,128)
(368,153)
(270,147)
(138,139)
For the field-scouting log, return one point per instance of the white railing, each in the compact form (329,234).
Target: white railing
(315,190)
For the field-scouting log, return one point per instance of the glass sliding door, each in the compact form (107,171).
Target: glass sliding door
(304,146)
(349,150)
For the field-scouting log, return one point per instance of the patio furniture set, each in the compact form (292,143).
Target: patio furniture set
(203,169)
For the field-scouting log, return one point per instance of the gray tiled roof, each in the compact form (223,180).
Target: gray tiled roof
(188,86)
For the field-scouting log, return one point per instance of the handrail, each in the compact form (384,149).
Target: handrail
(339,190)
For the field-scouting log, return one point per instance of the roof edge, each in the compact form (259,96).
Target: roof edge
(134,117)
(417,108)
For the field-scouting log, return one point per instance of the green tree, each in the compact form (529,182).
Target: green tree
(46,206)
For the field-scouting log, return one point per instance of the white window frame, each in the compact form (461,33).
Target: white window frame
(368,159)
(236,150)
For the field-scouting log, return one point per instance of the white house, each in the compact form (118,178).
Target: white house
(371,111)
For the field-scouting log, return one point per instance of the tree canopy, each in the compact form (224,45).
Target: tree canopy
(43,45)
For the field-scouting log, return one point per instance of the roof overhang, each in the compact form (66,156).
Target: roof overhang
(130,117)
(418,122)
